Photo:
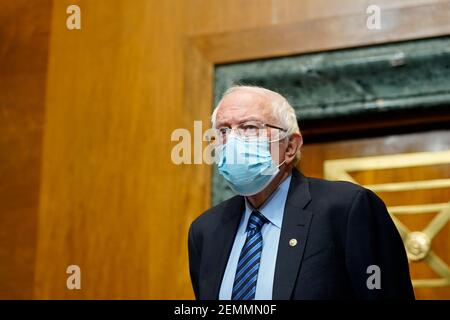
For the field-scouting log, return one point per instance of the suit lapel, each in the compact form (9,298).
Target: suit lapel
(296,222)
(219,248)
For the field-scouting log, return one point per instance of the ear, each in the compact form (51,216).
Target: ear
(294,144)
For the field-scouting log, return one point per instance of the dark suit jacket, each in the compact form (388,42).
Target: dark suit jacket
(341,229)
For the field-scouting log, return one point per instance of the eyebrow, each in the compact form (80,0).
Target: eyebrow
(244,120)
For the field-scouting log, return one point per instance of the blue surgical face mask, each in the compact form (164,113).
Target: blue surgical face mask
(246,165)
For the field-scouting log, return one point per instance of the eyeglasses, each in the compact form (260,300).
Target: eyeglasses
(246,130)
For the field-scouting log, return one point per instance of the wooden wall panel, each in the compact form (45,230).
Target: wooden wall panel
(24,37)
(111,201)
(212,17)
(107,194)
(286,11)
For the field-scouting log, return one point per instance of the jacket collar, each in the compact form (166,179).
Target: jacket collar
(296,221)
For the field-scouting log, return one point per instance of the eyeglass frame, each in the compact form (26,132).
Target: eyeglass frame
(263,126)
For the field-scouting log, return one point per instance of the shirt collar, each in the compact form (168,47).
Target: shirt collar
(273,208)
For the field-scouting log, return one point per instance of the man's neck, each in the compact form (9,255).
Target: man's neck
(257,200)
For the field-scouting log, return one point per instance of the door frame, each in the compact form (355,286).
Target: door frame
(203,52)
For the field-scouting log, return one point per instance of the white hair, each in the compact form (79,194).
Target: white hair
(282,111)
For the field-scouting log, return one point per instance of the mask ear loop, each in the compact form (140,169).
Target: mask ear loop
(285,137)
(281,164)
(275,140)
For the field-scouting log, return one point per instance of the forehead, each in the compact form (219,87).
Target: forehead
(241,106)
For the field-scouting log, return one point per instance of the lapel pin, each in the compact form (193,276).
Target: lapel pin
(293,242)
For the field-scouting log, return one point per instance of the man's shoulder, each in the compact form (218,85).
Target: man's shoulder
(338,192)
(215,214)
(332,187)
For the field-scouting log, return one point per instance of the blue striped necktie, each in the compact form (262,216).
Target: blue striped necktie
(244,286)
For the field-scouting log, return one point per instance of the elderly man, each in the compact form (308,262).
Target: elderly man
(286,236)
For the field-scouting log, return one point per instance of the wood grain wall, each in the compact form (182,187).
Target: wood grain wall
(24,38)
(110,199)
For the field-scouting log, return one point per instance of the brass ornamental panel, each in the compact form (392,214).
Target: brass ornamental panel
(418,243)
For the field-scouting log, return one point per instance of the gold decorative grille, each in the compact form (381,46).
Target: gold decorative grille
(418,243)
